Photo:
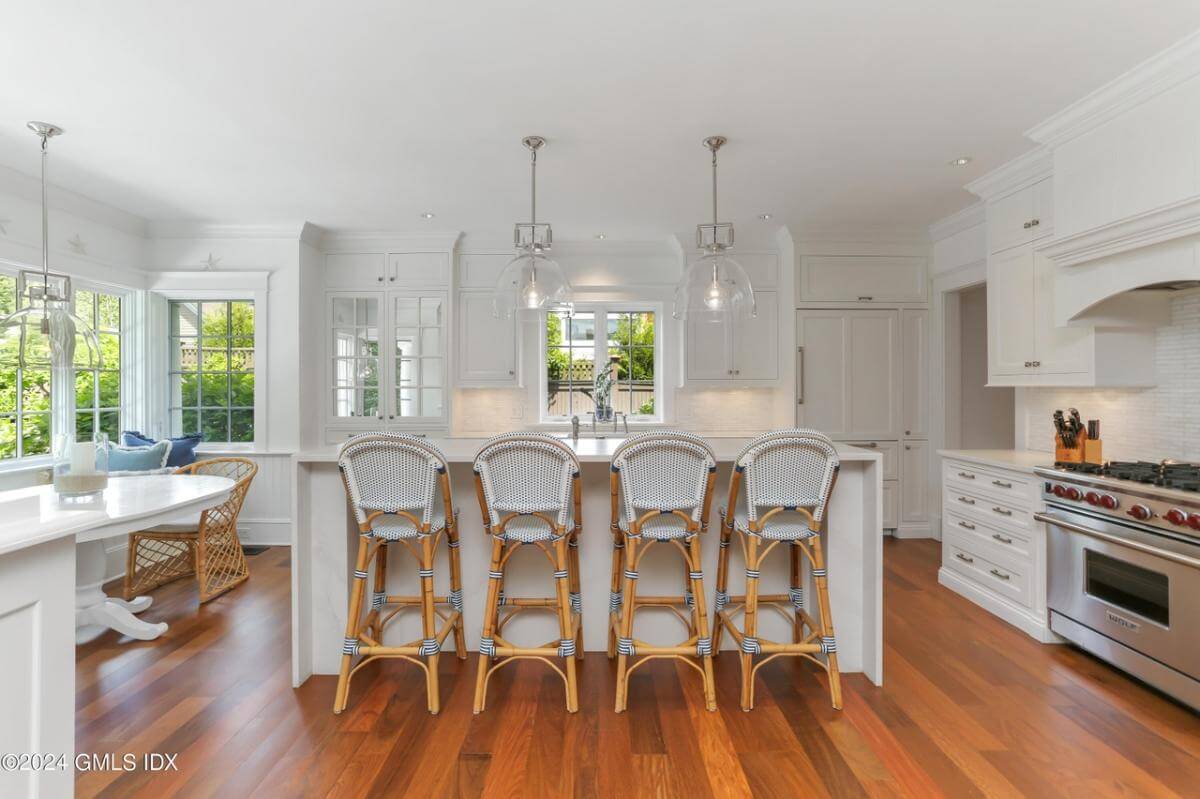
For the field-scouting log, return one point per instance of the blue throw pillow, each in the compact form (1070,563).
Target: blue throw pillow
(138,459)
(183,449)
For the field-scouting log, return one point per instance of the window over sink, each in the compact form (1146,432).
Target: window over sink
(579,344)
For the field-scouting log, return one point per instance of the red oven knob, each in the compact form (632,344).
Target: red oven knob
(1074,494)
(1109,501)
(1194,521)
(1140,512)
(1176,517)
(1059,492)
(1092,498)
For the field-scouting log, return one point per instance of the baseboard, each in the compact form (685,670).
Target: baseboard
(1022,619)
(913,531)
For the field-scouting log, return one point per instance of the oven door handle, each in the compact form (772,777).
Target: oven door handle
(1112,539)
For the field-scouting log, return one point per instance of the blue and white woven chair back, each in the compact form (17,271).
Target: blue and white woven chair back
(392,472)
(527,473)
(789,468)
(665,471)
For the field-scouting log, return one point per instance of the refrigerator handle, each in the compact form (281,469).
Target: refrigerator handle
(799,375)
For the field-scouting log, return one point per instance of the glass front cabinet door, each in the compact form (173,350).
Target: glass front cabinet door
(387,360)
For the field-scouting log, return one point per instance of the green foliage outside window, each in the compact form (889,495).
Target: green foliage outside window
(212,369)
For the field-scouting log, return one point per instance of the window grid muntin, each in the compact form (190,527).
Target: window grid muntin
(176,412)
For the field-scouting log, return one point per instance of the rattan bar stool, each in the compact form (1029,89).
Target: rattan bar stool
(529,493)
(789,477)
(399,489)
(661,486)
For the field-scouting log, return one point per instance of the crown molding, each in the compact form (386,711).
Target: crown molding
(198,229)
(1152,227)
(29,189)
(850,234)
(1167,69)
(312,234)
(958,221)
(1022,171)
(411,241)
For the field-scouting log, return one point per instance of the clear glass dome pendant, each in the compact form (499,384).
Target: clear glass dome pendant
(714,287)
(531,281)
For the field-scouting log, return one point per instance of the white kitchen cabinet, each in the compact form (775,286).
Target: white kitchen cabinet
(914,483)
(848,372)
(1010,318)
(377,270)
(487,345)
(744,352)
(891,504)
(1057,350)
(1021,217)
(386,359)
(861,278)
(914,338)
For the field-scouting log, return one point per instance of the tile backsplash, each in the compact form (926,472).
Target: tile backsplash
(1149,423)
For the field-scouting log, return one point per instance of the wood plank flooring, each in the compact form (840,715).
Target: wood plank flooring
(971,707)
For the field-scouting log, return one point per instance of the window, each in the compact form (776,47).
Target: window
(212,369)
(25,392)
(627,345)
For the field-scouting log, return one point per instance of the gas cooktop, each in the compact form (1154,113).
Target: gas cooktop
(1165,474)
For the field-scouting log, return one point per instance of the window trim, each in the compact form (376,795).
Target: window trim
(161,363)
(601,309)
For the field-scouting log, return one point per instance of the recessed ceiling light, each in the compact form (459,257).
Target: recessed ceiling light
(961,161)
(764,217)
(428,215)
(601,236)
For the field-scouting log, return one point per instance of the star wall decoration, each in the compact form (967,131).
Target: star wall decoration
(77,245)
(210,263)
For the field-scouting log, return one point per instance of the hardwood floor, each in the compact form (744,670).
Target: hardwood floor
(971,707)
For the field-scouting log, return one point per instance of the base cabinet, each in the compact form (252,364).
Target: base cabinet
(993,550)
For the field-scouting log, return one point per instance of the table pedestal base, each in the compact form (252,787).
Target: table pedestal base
(95,612)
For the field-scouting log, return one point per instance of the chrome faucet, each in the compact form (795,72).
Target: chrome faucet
(615,414)
(575,429)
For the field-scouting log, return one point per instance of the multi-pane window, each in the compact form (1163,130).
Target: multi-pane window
(575,355)
(25,391)
(98,391)
(212,369)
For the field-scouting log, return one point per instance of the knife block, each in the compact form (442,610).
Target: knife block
(1074,454)
(1093,451)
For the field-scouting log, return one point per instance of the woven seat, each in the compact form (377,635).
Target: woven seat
(398,487)
(529,494)
(208,547)
(661,489)
(788,478)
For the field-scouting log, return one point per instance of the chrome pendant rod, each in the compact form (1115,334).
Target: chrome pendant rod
(714,143)
(45,216)
(533,186)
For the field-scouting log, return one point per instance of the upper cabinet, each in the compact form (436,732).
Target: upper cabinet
(353,270)
(487,345)
(914,372)
(1021,217)
(744,351)
(862,278)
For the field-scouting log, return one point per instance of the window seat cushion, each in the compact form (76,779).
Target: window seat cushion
(183,448)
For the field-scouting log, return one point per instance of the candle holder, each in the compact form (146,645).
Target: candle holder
(80,470)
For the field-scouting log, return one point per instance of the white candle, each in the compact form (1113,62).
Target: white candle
(83,458)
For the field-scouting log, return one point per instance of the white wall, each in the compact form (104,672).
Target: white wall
(986,421)
(1151,423)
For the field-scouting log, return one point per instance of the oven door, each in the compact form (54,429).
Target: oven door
(1132,586)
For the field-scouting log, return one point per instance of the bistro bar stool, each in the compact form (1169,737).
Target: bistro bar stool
(778,493)
(399,488)
(529,493)
(661,486)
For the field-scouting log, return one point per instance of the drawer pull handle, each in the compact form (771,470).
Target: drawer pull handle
(1002,511)
(1027,225)
(1001,538)
(964,558)
(966,475)
(1001,483)
(966,526)
(966,501)
(1000,574)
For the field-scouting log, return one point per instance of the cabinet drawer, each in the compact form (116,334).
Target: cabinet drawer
(1012,487)
(960,554)
(990,511)
(890,450)
(1014,544)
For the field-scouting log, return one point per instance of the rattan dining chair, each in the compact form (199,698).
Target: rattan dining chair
(661,485)
(779,492)
(398,487)
(529,494)
(209,548)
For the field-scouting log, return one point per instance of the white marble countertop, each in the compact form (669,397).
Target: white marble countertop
(588,450)
(31,516)
(1020,459)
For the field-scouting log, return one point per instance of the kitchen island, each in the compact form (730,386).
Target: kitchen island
(324,540)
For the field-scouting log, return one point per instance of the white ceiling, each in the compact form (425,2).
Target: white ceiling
(361,114)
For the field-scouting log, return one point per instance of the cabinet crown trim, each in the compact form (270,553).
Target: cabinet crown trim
(1019,173)
(1142,230)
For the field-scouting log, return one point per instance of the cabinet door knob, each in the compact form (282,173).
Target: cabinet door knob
(1027,225)
(906,446)
(1035,223)
(1036,363)
(511,373)
(908,432)
(865,299)
(380,278)
(392,278)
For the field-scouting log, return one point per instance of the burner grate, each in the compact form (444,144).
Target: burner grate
(1178,476)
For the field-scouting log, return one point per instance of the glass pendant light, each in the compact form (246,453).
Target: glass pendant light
(714,288)
(531,281)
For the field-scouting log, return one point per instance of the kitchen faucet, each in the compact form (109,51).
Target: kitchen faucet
(575,429)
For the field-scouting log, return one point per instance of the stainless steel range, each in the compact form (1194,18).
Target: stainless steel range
(1124,567)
